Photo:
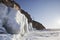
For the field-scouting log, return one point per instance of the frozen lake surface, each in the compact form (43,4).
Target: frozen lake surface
(34,35)
(43,35)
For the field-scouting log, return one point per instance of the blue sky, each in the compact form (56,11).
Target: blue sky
(46,12)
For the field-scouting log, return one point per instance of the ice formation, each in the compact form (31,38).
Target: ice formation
(14,22)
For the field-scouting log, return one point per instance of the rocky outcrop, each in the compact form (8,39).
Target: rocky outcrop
(7,2)
(37,25)
(10,3)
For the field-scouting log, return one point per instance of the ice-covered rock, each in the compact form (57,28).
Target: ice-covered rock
(15,23)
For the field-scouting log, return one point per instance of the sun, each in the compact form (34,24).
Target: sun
(58,22)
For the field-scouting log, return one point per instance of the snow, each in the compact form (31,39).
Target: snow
(42,35)
(33,35)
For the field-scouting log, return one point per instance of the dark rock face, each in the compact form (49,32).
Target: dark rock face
(11,3)
(27,15)
(16,5)
(37,25)
(7,2)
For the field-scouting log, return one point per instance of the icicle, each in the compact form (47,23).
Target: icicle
(30,28)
